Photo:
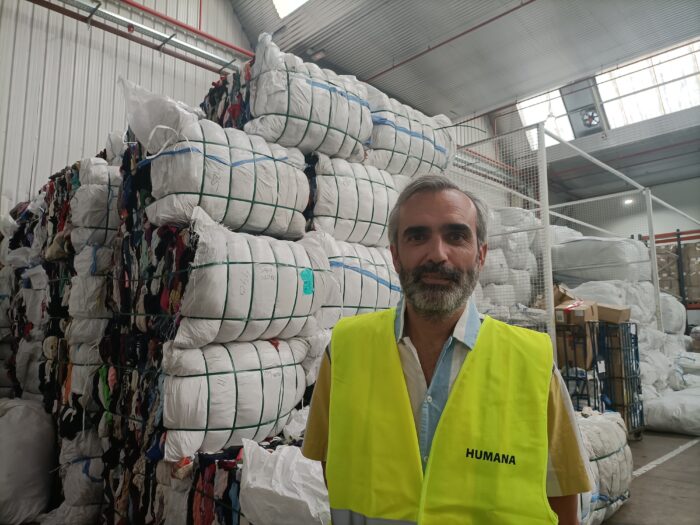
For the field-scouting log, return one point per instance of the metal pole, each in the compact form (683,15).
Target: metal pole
(598,198)
(596,161)
(654,262)
(546,249)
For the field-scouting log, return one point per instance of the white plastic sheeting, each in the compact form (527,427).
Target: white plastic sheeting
(353,201)
(28,358)
(601,259)
(674,412)
(673,314)
(36,296)
(216,396)
(610,462)
(81,473)
(174,493)
(405,141)
(298,104)
(95,170)
(85,362)
(495,270)
(562,234)
(94,215)
(238,179)
(639,296)
(503,294)
(26,460)
(282,487)
(520,281)
(317,347)
(247,288)
(364,279)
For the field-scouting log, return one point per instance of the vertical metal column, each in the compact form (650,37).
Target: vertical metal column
(652,256)
(546,248)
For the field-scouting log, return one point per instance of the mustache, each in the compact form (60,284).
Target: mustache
(439,270)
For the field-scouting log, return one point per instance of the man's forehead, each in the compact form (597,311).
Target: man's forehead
(437,209)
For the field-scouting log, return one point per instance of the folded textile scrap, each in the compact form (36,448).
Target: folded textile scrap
(405,141)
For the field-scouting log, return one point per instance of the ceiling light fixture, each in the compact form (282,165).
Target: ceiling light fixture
(318,55)
(629,201)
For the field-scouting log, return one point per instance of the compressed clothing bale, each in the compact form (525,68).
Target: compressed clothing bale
(115,148)
(532,266)
(500,294)
(516,248)
(400,182)
(405,141)
(364,279)
(674,412)
(35,295)
(95,215)
(353,201)
(602,259)
(520,280)
(673,314)
(26,460)
(240,180)
(562,234)
(28,359)
(96,170)
(88,297)
(216,396)
(317,348)
(495,270)
(93,260)
(610,465)
(247,288)
(85,361)
(639,296)
(298,104)
(87,331)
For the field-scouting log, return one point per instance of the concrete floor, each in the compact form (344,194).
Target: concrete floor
(667,494)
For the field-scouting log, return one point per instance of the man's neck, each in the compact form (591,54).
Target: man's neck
(428,336)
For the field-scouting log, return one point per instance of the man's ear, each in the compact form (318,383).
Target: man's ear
(483,249)
(395,257)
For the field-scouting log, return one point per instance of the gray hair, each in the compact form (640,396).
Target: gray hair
(434,184)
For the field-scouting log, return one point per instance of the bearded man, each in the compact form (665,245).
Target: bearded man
(432,414)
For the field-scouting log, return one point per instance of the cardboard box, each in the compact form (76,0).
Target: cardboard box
(611,313)
(692,278)
(692,293)
(670,286)
(576,311)
(574,350)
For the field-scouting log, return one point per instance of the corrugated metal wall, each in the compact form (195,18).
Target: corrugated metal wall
(58,93)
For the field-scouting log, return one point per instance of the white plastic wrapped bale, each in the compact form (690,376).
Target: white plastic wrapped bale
(605,440)
(675,345)
(640,297)
(28,359)
(673,314)
(96,170)
(353,201)
(85,331)
(500,294)
(238,179)
(515,245)
(495,270)
(282,487)
(654,369)
(674,412)
(602,259)
(405,141)
(88,298)
(92,261)
(85,362)
(215,397)
(298,104)
(515,218)
(115,148)
(81,473)
(171,495)
(317,347)
(400,182)
(94,215)
(562,234)
(245,288)
(26,460)
(520,280)
(35,296)
(364,280)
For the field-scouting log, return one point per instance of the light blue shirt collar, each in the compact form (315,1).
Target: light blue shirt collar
(466,330)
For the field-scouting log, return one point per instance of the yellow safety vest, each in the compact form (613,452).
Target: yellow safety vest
(488,460)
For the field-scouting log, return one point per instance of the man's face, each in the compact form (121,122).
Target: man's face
(436,254)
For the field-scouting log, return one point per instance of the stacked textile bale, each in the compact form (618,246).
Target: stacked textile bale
(405,141)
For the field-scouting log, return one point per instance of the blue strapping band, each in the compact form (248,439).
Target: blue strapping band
(366,273)
(335,90)
(93,266)
(381,121)
(214,158)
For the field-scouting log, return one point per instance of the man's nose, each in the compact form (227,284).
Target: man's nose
(438,250)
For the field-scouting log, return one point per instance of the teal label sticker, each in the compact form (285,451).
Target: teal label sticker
(307,276)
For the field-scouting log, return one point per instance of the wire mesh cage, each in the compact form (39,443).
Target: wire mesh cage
(506,172)
(576,356)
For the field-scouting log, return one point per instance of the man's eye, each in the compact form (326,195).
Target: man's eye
(414,237)
(456,236)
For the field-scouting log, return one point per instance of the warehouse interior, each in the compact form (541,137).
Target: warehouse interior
(195,194)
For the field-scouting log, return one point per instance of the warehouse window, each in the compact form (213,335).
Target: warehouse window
(285,7)
(652,87)
(548,108)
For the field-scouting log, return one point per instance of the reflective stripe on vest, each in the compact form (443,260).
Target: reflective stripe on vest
(488,462)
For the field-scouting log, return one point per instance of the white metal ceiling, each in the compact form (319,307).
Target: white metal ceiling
(523,48)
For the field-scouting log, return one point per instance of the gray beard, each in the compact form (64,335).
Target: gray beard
(435,301)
